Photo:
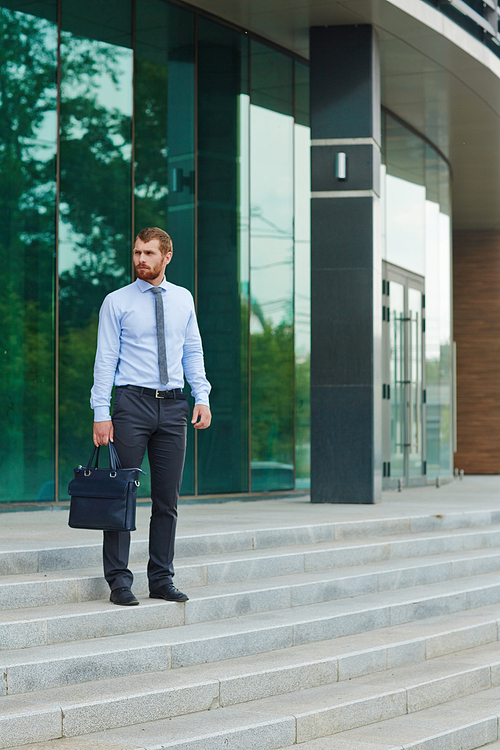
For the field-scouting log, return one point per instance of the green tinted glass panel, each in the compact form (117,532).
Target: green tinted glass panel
(28,138)
(271,79)
(271,270)
(223,108)
(95,199)
(302,269)
(164,148)
(301,88)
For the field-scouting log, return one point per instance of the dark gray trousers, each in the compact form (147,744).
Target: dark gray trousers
(143,422)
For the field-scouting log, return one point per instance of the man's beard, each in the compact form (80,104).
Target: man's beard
(146,274)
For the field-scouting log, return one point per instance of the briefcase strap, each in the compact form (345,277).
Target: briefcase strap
(114,461)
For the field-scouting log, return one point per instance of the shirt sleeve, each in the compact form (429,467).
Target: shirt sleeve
(106,360)
(193,363)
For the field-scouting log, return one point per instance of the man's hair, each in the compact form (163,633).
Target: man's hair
(154,233)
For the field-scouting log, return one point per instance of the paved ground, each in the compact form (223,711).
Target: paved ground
(19,530)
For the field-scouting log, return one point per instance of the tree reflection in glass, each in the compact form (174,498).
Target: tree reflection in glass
(95,204)
(271,270)
(164,147)
(28,56)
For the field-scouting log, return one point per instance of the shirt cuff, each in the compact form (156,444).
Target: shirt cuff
(203,400)
(101,414)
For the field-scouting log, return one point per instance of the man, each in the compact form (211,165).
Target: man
(148,339)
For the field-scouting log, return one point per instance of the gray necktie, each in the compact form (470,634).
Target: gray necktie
(160,334)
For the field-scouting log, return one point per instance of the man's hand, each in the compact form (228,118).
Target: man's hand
(201,417)
(103,432)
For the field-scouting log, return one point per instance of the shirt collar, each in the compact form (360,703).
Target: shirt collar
(145,285)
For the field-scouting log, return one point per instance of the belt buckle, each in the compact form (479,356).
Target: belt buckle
(157,396)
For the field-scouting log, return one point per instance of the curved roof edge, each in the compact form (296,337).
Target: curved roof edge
(435,76)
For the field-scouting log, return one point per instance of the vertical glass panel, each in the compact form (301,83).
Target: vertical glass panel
(397,378)
(301,89)
(95,199)
(302,266)
(438,318)
(223,106)
(415,384)
(271,80)
(164,147)
(28,134)
(403,152)
(445,307)
(404,198)
(432,333)
(271,270)
(417,236)
(405,224)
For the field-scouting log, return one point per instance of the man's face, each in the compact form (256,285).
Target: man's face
(149,263)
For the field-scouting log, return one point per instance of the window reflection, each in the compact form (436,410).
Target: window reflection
(302,290)
(223,253)
(417,237)
(164,148)
(271,272)
(302,298)
(237,247)
(27,243)
(95,199)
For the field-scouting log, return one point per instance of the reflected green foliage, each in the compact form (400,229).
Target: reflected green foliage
(95,206)
(223,244)
(272,415)
(164,75)
(27,193)
(303,419)
(151,149)
(94,228)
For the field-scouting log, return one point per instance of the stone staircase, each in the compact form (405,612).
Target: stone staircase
(364,635)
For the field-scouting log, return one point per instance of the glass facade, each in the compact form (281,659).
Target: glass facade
(130,114)
(28,176)
(417,239)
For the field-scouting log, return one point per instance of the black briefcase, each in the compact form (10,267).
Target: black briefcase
(104,498)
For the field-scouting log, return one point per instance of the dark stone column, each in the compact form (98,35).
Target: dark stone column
(346,267)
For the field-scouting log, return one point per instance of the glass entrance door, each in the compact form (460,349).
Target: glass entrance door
(403,390)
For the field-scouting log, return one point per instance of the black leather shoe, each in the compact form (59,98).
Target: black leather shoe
(169,593)
(123,596)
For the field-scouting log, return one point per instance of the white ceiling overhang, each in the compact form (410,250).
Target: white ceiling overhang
(435,75)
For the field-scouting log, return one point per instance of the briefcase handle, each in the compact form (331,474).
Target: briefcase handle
(113,458)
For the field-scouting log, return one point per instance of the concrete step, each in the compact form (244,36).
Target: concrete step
(255,634)
(333,609)
(37,668)
(36,625)
(378,572)
(322,705)
(75,743)
(287,721)
(35,559)
(462,724)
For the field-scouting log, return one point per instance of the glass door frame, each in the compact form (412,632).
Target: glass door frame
(414,401)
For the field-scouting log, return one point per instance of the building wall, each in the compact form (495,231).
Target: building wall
(123,115)
(476,292)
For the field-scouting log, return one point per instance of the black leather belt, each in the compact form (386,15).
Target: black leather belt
(174,393)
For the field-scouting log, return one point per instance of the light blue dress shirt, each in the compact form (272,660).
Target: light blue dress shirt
(127,347)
